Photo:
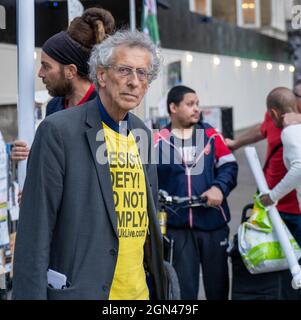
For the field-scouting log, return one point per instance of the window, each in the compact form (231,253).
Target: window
(2,18)
(248,13)
(279,10)
(203,7)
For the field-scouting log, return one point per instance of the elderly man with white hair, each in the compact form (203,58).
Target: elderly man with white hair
(88,227)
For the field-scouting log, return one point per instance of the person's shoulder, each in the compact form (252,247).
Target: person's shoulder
(54,101)
(209,130)
(137,123)
(204,125)
(69,117)
(292,131)
(54,105)
(290,138)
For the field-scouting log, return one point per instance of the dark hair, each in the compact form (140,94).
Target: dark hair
(91,28)
(282,99)
(176,95)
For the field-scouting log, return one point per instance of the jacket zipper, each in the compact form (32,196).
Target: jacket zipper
(189,194)
(187,171)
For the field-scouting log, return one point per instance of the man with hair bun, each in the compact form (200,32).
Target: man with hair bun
(64,65)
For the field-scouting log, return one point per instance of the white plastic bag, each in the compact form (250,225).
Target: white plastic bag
(258,243)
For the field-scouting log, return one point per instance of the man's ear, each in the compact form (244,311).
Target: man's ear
(274,113)
(173,108)
(70,71)
(101,75)
(276,116)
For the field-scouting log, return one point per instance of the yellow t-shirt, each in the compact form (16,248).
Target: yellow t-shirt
(129,190)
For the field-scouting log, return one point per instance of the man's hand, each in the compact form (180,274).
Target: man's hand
(266,200)
(291,118)
(20,151)
(231,144)
(214,195)
(249,136)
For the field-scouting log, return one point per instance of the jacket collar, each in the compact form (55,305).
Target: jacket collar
(96,143)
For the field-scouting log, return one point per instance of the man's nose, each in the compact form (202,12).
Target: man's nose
(133,79)
(40,74)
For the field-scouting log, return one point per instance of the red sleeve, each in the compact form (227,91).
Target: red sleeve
(264,125)
(222,153)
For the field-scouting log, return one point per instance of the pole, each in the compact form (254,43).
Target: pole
(75,9)
(133,28)
(132,15)
(257,171)
(26,70)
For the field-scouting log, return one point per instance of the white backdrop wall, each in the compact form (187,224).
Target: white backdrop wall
(242,87)
(8,74)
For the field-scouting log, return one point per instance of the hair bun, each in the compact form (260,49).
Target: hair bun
(100,20)
(92,27)
(100,33)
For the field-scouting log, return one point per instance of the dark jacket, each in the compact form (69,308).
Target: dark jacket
(58,103)
(215,165)
(67,220)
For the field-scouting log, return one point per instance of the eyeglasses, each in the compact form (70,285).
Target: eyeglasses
(125,71)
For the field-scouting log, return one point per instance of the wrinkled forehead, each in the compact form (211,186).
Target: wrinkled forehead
(132,55)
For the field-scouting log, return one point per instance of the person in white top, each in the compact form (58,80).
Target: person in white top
(279,102)
(294,118)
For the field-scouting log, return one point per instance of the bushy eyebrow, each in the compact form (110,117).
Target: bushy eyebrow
(45,64)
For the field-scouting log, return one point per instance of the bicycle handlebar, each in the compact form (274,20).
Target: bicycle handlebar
(193,201)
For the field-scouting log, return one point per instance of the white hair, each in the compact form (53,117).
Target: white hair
(102,53)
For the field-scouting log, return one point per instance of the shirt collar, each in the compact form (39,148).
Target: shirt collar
(106,118)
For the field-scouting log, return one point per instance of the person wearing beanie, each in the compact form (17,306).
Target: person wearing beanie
(64,65)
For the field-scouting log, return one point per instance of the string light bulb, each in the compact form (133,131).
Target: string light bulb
(269,66)
(281,67)
(216,61)
(237,63)
(254,64)
(292,69)
(189,57)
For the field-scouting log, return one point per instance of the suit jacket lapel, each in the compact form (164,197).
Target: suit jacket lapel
(96,142)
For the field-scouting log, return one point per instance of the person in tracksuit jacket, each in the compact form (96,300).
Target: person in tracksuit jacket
(194,160)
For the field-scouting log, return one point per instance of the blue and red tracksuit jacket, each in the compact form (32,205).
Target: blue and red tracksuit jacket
(213,165)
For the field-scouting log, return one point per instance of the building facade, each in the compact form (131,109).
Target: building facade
(231,52)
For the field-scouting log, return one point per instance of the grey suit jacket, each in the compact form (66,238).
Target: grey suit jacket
(67,218)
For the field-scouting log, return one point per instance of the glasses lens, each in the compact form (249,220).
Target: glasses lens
(141,74)
(124,71)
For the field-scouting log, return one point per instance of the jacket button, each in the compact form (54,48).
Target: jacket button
(105,288)
(113,252)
